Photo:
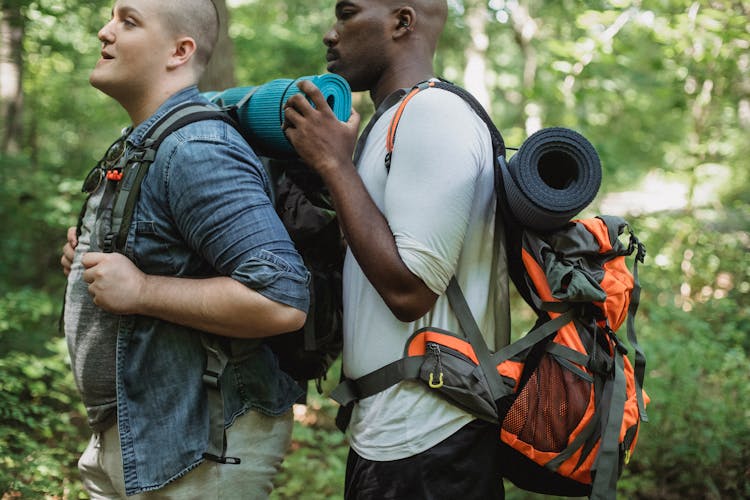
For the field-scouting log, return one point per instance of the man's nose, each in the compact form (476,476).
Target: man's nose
(106,34)
(331,38)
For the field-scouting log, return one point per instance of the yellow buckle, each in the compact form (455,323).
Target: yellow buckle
(435,385)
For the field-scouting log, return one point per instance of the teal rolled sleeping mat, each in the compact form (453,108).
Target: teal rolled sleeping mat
(260,109)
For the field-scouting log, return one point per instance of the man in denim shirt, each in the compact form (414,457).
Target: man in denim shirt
(206,262)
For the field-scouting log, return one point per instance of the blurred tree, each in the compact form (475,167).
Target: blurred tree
(12,24)
(219,74)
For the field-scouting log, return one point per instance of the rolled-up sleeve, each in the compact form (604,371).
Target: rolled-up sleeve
(217,192)
(275,279)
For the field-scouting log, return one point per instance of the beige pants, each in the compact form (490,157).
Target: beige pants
(260,441)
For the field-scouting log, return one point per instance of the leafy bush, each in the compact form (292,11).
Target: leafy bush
(41,425)
(693,323)
(315,466)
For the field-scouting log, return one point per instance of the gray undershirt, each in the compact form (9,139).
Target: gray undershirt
(91,332)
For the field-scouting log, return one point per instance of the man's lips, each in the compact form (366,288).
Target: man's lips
(331,56)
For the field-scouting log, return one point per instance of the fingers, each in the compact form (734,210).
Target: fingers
(66,263)
(72,237)
(300,103)
(314,94)
(67,259)
(91,259)
(353,122)
(291,117)
(68,251)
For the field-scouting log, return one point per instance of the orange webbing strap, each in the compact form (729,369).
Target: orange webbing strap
(391,137)
(400,111)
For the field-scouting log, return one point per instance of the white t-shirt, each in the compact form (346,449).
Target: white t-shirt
(439,200)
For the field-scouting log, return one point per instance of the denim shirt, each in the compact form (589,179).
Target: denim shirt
(204,210)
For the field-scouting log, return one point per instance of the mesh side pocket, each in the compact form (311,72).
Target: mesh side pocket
(549,408)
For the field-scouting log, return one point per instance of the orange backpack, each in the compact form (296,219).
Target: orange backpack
(567,398)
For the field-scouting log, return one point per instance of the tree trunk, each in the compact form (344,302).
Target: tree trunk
(524,31)
(11,74)
(475,80)
(219,74)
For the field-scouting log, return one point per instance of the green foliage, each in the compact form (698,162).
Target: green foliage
(693,323)
(279,39)
(314,468)
(40,425)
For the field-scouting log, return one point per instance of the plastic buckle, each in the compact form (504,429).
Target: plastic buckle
(211,379)
(114,174)
(222,460)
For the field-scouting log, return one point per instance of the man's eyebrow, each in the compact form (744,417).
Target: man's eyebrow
(127,10)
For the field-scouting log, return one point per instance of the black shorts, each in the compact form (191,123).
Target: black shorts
(462,467)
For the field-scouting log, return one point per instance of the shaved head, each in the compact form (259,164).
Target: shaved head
(197,19)
(431,16)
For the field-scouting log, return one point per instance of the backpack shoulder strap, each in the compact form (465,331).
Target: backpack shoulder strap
(136,167)
(498,144)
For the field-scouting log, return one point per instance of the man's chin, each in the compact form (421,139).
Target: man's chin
(95,79)
(100,84)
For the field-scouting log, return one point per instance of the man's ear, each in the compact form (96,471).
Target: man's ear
(184,48)
(406,18)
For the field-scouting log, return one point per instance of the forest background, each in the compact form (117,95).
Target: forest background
(660,87)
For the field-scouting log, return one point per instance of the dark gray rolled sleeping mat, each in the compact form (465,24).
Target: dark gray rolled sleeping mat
(555,174)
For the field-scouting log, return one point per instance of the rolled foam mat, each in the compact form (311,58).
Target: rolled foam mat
(261,115)
(554,175)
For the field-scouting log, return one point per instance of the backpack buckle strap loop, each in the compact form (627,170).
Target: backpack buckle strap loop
(216,363)
(222,460)
(350,391)
(345,393)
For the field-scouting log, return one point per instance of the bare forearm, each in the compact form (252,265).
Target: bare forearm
(217,305)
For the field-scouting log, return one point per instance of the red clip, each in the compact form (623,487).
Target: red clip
(114,175)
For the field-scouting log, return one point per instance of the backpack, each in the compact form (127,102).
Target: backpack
(305,354)
(566,397)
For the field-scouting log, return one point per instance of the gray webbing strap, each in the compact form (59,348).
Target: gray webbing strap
(497,387)
(353,390)
(216,362)
(577,443)
(587,438)
(137,166)
(615,226)
(568,353)
(245,98)
(639,366)
(608,458)
(122,210)
(408,368)
(530,339)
